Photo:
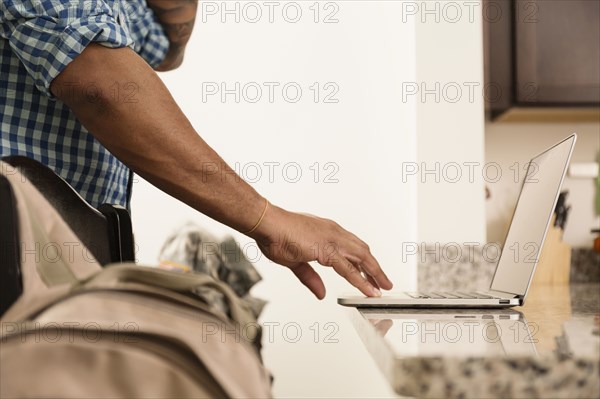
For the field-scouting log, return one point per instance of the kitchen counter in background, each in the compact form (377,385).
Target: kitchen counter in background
(315,350)
(549,348)
(470,270)
(585,265)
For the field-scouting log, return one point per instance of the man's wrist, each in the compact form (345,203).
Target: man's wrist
(266,230)
(262,216)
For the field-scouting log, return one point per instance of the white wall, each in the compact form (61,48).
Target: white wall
(450,122)
(365,135)
(507,143)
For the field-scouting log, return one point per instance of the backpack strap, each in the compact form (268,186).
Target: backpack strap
(179,282)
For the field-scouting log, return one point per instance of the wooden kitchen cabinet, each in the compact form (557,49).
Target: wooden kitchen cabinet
(541,53)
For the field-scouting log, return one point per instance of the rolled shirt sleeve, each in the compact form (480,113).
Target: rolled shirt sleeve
(46,35)
(151,41)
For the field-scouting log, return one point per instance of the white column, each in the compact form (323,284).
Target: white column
(450,120)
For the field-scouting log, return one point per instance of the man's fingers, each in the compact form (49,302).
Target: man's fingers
(309,277)
(362,256)
(372,268)
(383,326)
(370,278)
(347,270)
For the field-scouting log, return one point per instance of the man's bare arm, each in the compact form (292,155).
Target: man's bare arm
(135,117)
(177,18)
(147,131)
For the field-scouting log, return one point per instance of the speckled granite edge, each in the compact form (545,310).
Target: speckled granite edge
(585,266)
(557,377)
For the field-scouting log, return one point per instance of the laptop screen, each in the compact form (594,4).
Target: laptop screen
(531,218)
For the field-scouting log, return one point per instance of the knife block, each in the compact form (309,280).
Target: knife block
(554,266)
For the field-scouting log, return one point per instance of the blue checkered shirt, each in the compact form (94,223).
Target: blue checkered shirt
(38,39)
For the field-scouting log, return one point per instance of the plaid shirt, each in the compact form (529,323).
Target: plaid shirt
(38,39)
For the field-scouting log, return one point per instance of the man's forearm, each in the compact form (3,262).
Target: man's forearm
(177,18)
(147,131)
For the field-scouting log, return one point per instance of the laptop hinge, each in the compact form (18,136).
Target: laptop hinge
(506,295)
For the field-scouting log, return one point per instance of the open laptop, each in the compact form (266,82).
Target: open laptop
(514,272)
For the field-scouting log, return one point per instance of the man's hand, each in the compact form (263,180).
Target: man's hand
(177,18)
(293,240)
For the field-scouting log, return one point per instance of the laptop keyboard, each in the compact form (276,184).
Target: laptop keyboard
(449,295)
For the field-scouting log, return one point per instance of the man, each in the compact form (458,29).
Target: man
(82,96)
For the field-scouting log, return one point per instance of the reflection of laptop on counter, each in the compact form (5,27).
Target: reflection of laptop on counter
(468,333)
(436,353)
(521,249)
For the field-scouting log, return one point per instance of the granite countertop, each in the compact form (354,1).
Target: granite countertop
(549,348)
(585,265)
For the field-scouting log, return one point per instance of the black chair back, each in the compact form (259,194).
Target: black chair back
(11,284)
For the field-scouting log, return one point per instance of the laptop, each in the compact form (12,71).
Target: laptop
(521,249)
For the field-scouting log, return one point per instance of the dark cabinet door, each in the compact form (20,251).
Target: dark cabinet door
(542,53)
(557,52)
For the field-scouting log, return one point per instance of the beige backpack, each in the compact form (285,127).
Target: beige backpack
(123,331)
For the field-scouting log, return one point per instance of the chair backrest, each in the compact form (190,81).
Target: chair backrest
(106,231)
(11,284)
